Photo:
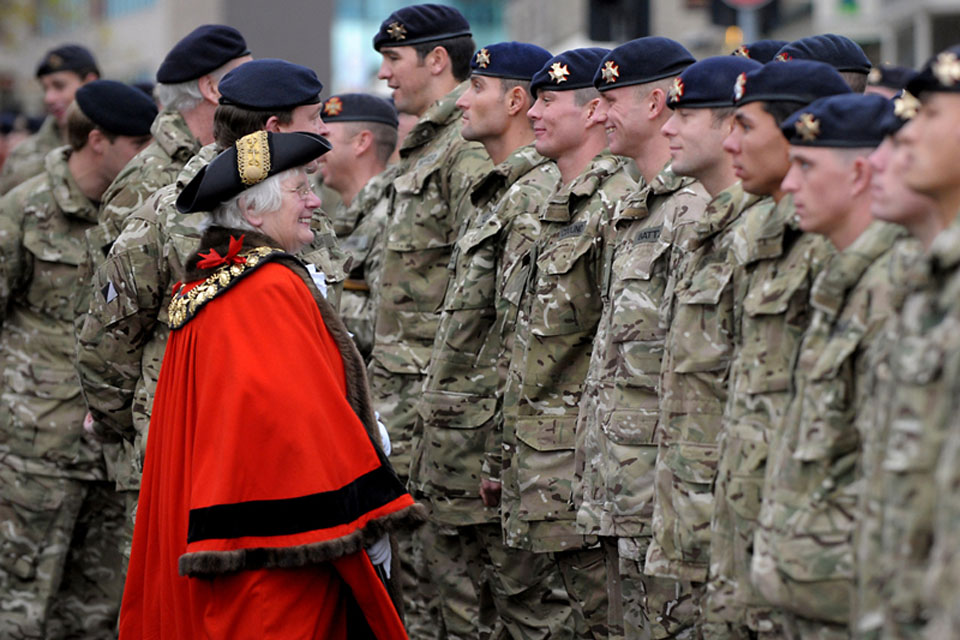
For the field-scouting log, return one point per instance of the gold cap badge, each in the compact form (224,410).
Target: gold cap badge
(397,31)
(676,90)
(947,69)
(483,58)
(55,61)
(558,72)
(333,107)
(808,127)
(253,158)
(610,71)
(739,87)
(906,106)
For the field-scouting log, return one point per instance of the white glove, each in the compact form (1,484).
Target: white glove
(384,436)
(380,553)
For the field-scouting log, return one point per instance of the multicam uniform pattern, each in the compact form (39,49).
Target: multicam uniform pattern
(803,559)
(61,572)
(616,451)
(694,380)
(359,229)
(27,159)
(778,267)
(559,315)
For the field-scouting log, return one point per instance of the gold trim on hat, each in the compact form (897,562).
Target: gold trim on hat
(253,158)
(397,31)
(808,127)
(610,71)
(483,58)
(906,106)
(947,69)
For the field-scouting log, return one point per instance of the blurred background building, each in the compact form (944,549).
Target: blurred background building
(130,37)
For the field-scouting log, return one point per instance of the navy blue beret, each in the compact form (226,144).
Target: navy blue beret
(762,51)
(420,23)
(359,107)
(900,110)
(270,84)
(68,57)
(572,69)
(890,76)
(516,60)
(941,73)
(840,52)
(250,161)
(206,48)
(850,120)
(799,81)
(116,107)
(640,61)
(709,82)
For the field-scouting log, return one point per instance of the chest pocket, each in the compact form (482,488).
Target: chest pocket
(476,256)
(421,219)
(702,324)
(828,401)
(775,317)
(52,288)
(567,299)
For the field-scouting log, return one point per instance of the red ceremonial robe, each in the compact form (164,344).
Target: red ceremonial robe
(261,485)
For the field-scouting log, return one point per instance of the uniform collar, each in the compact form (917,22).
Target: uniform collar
(171,133)
(66,192)
(441,113)
(520,162)
(560,206)
(723,210)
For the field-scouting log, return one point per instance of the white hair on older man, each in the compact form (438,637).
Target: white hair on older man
(185,96)
(261,198)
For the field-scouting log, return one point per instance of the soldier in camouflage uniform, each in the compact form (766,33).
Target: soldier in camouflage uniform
(615,449)
(916,505)
(363,132)
(803,556)
(559,312)
(61,571)
(61,72)
(431,201)
(459,411)
(121,341)
(778,267)
(699,312)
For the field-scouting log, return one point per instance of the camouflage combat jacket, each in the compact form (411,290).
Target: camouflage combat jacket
(121,343)
(616,450)
(458,410)
(694,378)
(27,159)
(778,267)
(41,409)
(359,229)
(431,200)
(559,313)
(803,556)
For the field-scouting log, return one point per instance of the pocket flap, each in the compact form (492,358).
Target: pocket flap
(707,285)
(773,298)
(544,433)
(643,260)
(456,410)
(834,354)
(694,463)
(561,256)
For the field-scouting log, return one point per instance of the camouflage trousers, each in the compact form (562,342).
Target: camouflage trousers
(395,398)
(421,603)
(61,569)
(356,311)
(653,607)
(584,577)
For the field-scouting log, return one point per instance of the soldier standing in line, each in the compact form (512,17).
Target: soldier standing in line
(558,316)
(61,72)
(363,132)
(918,506)
(120,343)
(778,270)
(459,410)
(803,556)
(61,571)
(426,51)
(616,451)
(699,312)
(892,201)
(840,52)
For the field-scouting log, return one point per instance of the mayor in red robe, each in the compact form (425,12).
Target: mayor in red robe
(264,479)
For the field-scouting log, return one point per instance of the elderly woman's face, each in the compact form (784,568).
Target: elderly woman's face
(290,224)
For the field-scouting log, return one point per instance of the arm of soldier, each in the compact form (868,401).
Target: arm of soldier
(12,256)
(124,305)
(467,164)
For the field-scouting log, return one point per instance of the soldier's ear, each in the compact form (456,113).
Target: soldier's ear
(518,101)
(96,140)
(208,89)
(861,175)
(657,103)
(272,124)
(362,142)
(437,61)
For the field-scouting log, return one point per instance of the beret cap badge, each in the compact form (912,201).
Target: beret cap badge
(483,58)
(333,106)
(55,61)
(559,72)
(783,57)
(875,76)
(742,51)
(397,31)
(610,71)
(906,106)
(808,127)
(740,87)
(947,69)
(676,90)
(253,158)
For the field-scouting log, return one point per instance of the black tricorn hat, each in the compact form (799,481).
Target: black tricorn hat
(253,159)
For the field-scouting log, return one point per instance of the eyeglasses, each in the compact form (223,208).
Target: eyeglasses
(304,192)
